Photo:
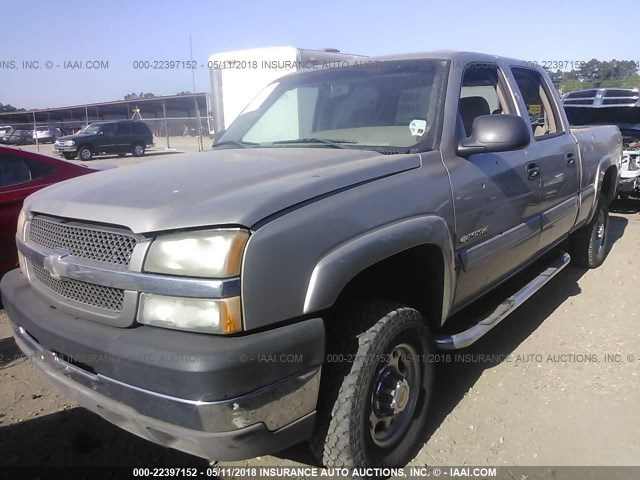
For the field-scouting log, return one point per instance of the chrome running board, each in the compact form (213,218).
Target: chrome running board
(471,335)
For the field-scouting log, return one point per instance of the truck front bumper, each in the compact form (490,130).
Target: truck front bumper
(65,149)
(268,417)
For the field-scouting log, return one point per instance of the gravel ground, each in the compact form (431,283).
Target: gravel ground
(524,395)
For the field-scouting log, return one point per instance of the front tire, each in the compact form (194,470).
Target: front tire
(589,245)
(85,153)
(69,156)
(373,405)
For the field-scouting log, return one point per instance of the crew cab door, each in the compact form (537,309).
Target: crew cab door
(552,154)
(124,137)
(497,202)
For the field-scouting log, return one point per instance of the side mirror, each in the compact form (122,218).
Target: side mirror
(217,136)
(495,133)
(100,132)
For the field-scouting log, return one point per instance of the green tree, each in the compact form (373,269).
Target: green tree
(598,73)
(10,108)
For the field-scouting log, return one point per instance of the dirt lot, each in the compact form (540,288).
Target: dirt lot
(535,391)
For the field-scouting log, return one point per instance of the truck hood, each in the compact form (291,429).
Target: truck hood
(222,187)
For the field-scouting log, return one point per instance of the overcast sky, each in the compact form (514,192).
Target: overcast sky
(120,32)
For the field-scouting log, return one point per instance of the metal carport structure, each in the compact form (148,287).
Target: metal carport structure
(172,115)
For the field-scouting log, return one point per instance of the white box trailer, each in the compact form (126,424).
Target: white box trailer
(238,76)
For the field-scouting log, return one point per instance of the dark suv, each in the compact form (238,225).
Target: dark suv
(120,137)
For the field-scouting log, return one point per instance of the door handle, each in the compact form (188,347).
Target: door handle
(571,159)
(533,170)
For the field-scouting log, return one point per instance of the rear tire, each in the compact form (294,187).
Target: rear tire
(375,389)
(589,245)
(85,153)
(138,150)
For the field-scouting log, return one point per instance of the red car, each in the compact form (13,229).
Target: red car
(21,174)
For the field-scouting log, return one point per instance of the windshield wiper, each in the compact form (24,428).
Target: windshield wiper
(324,141)
(235,142)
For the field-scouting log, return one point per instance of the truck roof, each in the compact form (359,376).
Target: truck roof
(454,55)
(458,58)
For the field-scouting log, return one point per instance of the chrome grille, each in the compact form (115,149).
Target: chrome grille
(84,242)
(107,298)
(603,97)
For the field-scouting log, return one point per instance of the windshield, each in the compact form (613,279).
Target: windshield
(395,105)
(91,129)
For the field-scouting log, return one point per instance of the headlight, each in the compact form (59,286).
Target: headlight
(22,218)
(209,254)
(66,143)
(192,314)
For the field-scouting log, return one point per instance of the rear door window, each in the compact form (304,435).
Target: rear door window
(141,129)
(39,169)
(124,129)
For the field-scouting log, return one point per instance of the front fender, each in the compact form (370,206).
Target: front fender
(334,271)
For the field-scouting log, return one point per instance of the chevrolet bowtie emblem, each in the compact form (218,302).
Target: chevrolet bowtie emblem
(54,266)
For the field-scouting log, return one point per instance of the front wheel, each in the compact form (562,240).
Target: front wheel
(69,156)
(85,153)
(589,245)
(376,388)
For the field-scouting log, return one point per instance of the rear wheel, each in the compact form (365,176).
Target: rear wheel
(589,245)
(85,153)
(373,405)
(138,150)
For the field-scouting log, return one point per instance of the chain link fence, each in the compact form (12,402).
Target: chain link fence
(179,133)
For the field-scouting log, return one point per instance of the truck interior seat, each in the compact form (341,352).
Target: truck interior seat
(540,130)
(549,126)
(470,108)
